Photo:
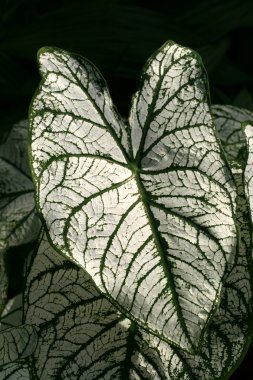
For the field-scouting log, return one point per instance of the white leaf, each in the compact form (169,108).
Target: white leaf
(150,218)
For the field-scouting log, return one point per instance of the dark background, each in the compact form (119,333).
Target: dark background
(118,36)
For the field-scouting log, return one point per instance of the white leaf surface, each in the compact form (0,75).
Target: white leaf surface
(149,217)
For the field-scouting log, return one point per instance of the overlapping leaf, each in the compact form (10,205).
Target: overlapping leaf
(82,336)
(146,210)
(18,222)
(17,343)
(228,121)
(12,316)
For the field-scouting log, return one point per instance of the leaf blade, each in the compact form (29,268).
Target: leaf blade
(89,199)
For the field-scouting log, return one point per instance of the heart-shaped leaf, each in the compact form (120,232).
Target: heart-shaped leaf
(82,335)
(148,209)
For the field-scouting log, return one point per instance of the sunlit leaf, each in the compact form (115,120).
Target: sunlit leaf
(139,207)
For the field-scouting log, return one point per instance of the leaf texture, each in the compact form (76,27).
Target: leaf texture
(146,209)
(15,371)
(12,316)
(82,336)
(17,343)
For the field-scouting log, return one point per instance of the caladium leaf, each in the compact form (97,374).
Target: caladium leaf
(148,209)
(18,222)
(82,336)
(228,121)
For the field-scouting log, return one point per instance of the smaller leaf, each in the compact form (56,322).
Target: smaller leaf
(17,343)
(18,222)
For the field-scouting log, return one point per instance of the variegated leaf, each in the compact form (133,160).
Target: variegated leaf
(18,222)
(228,121)
(149,217)
(82,336)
